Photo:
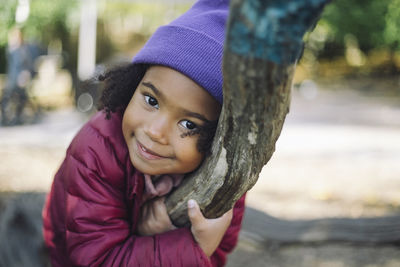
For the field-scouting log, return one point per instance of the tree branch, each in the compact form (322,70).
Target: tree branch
(264,40)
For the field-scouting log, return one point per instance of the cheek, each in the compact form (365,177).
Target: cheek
(127,121)
(131,118)
(189,155)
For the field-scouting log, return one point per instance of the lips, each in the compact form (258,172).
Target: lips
(148,154)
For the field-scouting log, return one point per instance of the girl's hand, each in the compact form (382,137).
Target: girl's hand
(154,218)
(207,232)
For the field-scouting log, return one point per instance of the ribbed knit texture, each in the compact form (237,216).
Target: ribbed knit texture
(192,44)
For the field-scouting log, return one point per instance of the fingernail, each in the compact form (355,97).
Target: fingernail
(191,203)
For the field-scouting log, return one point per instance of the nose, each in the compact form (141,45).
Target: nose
(157,129)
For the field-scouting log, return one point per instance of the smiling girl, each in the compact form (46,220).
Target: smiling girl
(157,121)
(162,120)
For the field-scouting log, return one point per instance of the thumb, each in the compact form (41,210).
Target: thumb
(194,213)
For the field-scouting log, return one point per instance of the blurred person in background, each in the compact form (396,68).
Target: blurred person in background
(21,57)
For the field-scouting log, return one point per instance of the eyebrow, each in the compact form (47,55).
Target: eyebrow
(185,111)
(153,88)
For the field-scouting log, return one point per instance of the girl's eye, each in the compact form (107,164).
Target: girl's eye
(188,125)
(151,101)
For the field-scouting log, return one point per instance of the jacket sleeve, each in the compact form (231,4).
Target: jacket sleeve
(230,238)
(97,221)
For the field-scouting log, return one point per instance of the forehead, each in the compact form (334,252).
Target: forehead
(180,92)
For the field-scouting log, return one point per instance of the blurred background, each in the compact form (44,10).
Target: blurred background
(339,151)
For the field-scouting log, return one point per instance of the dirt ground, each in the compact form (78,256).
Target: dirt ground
(338,156)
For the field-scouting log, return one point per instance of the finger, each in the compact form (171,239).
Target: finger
(195,216)
(229,214)
(159,206)
(227,217)
(150,210)
(145,211)
(161,211)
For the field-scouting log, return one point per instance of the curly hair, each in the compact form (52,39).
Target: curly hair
(119,86)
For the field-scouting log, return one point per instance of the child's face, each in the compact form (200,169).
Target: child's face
(165,106)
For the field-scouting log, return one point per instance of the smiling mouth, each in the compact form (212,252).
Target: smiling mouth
(148,154)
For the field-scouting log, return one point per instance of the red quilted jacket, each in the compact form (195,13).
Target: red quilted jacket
(91,212)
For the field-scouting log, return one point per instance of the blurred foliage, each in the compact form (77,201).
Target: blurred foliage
(360,32)
(392,29)
(7,14)
(124,26)
(353,37)
(48,21)
(364,19)
(374,24)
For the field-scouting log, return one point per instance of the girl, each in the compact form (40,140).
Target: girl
(159,115)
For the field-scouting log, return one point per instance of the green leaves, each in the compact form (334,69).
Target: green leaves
(392,29)
(373,23)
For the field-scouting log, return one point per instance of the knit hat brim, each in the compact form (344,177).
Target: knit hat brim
(192,44)
(186,57)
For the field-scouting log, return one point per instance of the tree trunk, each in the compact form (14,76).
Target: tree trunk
(263,42)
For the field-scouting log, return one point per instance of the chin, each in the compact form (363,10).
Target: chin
(143,168)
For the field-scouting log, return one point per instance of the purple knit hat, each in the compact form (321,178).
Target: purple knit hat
(192,44)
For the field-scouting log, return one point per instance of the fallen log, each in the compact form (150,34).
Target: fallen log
(264,229)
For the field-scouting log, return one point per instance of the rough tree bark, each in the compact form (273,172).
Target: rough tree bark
(263,42)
